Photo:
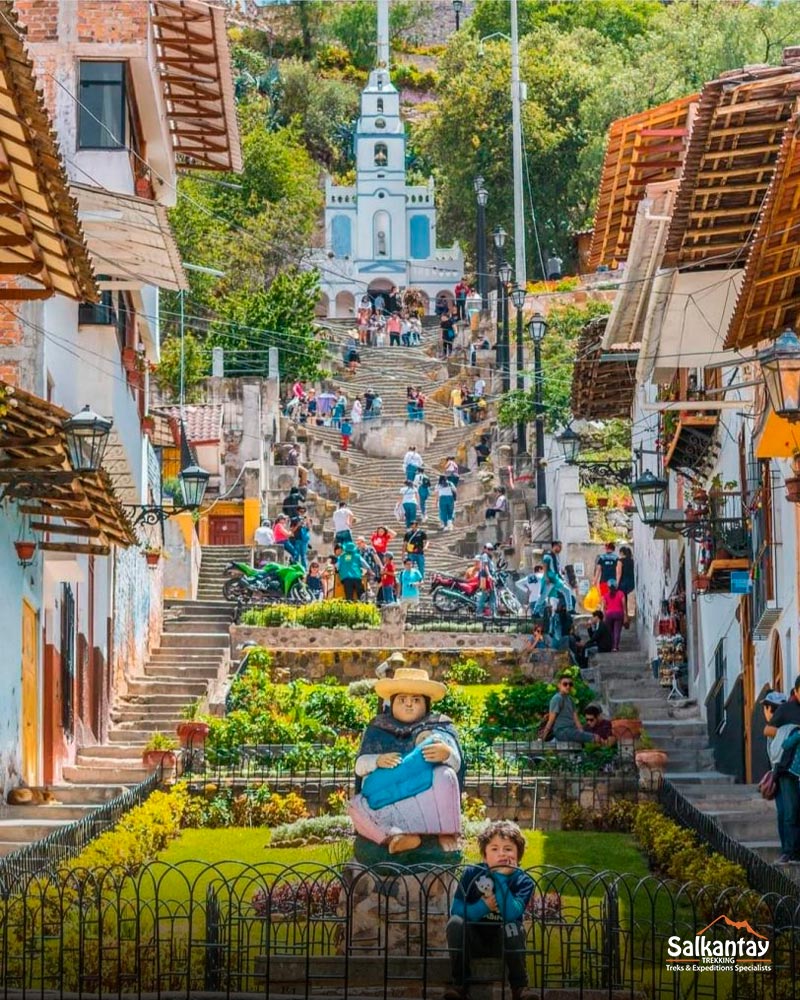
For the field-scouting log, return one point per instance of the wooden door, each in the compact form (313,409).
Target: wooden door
(30,694)
(227,531)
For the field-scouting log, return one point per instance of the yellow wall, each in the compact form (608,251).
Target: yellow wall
(252,519)
(249,510)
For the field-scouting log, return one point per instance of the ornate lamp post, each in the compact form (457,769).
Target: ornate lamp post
(482,197)
(87,436)
(570,444)
(518,298)
(650,497)
(504,272)
(537,327)
(780,368)
(458,6)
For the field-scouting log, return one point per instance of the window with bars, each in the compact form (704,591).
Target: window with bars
(102,108)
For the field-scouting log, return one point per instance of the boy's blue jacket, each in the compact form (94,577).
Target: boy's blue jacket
(512,893)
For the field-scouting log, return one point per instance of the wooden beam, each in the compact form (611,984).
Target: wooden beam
(42,477)
(43,508)
(21,267)
(28,442)
(38,462)
(22,294)
(82,531)
(78,548)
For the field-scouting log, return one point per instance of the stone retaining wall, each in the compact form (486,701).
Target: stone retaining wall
(351,654)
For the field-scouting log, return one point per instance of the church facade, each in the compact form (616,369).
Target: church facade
(381,232)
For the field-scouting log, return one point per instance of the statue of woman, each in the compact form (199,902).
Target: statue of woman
(409,768)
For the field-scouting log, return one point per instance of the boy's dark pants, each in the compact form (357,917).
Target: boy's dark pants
(486,940)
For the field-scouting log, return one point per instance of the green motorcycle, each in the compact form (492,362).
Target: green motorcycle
(270,582)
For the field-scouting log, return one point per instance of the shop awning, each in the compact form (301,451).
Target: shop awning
(770,296)
(40,237)
(641,149)
(194,59)
(130,239)
(36,473)
(733,147)
(603,381)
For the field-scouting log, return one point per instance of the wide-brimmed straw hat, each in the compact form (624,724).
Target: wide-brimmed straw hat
(411,680)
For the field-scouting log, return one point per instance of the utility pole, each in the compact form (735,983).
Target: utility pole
(518,95)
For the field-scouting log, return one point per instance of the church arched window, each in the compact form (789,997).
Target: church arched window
(380,104)
(381,154)
(381,234)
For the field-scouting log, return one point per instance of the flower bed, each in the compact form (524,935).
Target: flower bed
(324,614)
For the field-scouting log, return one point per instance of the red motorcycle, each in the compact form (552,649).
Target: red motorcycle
(451,594)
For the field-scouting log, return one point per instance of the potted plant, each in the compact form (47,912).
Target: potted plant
(25,550)
(192,730)
(647,756)
(602,501)
(626,724)
(152,554)
(159,751)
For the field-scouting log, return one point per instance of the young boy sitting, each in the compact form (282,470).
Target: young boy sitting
(487,911)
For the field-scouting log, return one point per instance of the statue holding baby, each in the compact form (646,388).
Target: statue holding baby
(409,776)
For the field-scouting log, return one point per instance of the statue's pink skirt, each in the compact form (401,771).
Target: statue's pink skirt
(437,810)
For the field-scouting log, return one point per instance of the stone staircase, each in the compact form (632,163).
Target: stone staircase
(371,485)
(214,559)
(677,728)
(192,653)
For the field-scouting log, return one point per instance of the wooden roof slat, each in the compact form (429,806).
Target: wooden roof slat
(602,386)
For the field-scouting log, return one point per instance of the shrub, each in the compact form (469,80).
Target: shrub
(315,830)
(312,899)
(323,614)
(333,706)
(139,835)
(519,708)
(467,671)
(473,808)
(457,705)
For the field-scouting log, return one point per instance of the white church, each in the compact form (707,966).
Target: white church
(381,233)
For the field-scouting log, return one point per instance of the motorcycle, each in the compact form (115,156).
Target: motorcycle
(271,581)
(451,594)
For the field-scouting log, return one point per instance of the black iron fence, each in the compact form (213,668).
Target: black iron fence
(70,839)
(268,930)
(761,875)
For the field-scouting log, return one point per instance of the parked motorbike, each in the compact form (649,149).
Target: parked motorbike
(451,594)
(271,581)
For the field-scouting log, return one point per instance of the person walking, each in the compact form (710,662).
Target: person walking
(457,401)
(451,471)
(412,463)
(614,611)
(419,405)
(605,568)
(461,293)
(388,591)
(447,326)
(409,503)
(380,541)
(338,410)
(409,579)
(487,576)
(446,496)
(415,330)
(394,328)
(626,581)
(351,568)
(423,485)
(781,718)
(343,521)
(301,536)
(347,432)
(356,411)
(415,542)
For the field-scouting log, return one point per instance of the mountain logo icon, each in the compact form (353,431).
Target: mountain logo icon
(739,946)
(739,925)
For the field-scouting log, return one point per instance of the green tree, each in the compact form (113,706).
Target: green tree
(280,315)
(564,325)
(196,366)
(355,25)
(618,20)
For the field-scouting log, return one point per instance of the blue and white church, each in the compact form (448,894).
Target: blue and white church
(381,233)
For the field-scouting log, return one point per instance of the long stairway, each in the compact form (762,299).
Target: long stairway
(213,561)
(193,651)
(370,485)
(737,808)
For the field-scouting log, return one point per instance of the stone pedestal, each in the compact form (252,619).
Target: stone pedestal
(397,913)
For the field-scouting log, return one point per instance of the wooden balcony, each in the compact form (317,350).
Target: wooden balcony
(689,447)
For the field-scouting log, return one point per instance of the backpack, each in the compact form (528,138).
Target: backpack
(424,481)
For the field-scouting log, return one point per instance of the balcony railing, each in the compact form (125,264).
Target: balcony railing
(726,538)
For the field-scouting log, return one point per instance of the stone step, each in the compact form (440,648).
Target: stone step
(92,775)
(24,831)
(133,759)
(94,794)
(175,671)
(748,827)
(194,640)
(158,700)
(741,796)
(185,657)
(201,623)
(188,606)
(679,778)
(133,736)
(152,724)
(112,751)
(182,688)
(62,813)
(770,850)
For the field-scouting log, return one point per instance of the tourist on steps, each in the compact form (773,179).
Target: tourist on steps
(423,485)
(779,714)
(343,521)
(409,503)
(614,611)
(446,495)
(412,462)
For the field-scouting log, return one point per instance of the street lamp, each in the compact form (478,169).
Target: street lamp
(193,480)
(499,236)
(458,6)
(780,367)
(482,196)
(650,497)
(504,272)
(86,435)
(537,328)
(570,444)
(518,298)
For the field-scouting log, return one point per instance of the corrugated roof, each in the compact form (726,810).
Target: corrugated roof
(194,58)
(641,149)
(733,147)
(770,296)
(40,236)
